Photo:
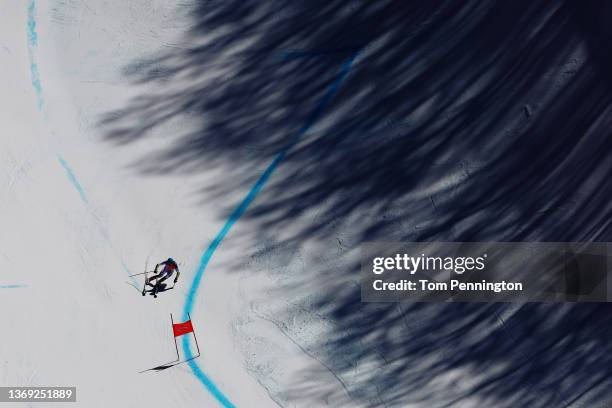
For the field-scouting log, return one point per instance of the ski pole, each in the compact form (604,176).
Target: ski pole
(142,273)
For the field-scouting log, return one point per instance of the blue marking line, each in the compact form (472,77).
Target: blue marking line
(36,84)
(32,44)
(238,212)
(200,375)
(73,180)
(13,286)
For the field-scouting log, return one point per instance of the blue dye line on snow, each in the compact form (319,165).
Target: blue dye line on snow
(200,375)
(13,286)
(237,213)
(32,44)
(36,84)
(79,188)
(73,180)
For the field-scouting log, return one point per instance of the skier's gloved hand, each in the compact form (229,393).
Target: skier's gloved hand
(175,280)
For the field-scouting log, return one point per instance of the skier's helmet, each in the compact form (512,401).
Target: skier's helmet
(170,261)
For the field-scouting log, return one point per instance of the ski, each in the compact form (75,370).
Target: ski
(158,290)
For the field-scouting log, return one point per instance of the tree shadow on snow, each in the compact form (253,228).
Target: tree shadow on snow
(459,121)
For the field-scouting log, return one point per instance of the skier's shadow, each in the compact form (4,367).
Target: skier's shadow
(161,287)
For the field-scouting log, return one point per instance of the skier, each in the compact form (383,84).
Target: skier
(170,267)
